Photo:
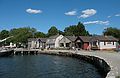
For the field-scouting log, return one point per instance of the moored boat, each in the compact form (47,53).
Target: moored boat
(6,52)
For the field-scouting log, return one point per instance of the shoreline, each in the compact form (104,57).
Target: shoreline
(110,57)
(100,64)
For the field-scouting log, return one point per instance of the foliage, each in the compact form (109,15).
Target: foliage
(77,30)
(112,32)
(60,32)
(21,35)
(39,35)
(53,31)
(4,34)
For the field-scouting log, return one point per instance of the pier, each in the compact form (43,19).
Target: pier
(21,51)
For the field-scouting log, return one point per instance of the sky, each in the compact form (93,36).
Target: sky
(96,15)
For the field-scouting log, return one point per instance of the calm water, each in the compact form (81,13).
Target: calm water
(45,66)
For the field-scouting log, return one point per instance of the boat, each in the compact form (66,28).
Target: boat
(6,52)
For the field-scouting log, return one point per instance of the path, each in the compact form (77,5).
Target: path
(113,59)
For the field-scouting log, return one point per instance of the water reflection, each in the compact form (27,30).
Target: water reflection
(46,66)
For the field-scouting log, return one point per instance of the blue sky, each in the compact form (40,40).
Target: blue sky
(42,14)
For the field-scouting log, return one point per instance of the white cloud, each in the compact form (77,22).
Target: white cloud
(109,16)
(33,11)
(97,22)
(87,13)
(117,15)
(71,13)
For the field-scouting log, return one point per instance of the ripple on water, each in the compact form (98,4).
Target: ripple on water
(46,66)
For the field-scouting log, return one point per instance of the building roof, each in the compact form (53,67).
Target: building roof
(71,38)
(103,38)
(85,38)
(36,39)
(32,39)
(54,37)
(43,39)
(51,39)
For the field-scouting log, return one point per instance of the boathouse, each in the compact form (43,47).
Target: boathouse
(82,42)
(67,42)
(53,41)
(103,42)
(37,43)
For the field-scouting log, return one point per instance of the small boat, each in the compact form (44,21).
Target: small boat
(6,52)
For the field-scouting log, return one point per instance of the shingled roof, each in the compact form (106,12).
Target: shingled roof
(54,37)
(103,38)
(85,38)
(36,39)
(71,38)
(43,39)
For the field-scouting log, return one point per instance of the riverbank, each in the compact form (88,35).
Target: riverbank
(112,58)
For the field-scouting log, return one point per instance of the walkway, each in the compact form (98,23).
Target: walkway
(112,58)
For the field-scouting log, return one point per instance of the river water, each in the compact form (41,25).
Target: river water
(45,66)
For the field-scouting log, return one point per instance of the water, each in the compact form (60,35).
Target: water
(45,66)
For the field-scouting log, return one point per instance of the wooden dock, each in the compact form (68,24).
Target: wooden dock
(19,51)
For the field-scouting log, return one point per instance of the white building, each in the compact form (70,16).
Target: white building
(104,42)
(67,42)
(53,41)
(36,43)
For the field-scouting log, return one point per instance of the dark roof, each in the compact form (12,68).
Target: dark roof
(71,38)
(36,39)
(43,39)
(54,37)
(103,38)
(85,38)
(32,39)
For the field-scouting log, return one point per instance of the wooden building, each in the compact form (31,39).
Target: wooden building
(36,43)
(67,42)
(82,42)
(103,42)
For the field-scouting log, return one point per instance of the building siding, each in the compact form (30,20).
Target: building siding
(85,46)
(57,41)
(108,45)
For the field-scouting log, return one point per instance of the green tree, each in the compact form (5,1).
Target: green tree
(112,32)
(53,31)
(76,30)
(4,34)
(20,35)
(39,35)
(60,32)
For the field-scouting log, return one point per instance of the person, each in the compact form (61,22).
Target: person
(89,48)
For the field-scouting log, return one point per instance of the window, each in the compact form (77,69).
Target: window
(104,43)
(61,45)
(67,45)
(98,43)
(113,43)
(108,42)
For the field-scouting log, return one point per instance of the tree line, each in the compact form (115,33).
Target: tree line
(21,35)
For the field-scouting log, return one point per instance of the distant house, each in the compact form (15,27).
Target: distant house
(36,43)
(103,42)
(83,42)
(67,42)
(53,41)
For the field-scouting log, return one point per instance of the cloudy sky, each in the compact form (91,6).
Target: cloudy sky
(42,14)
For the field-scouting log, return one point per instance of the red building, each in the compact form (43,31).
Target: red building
(82,42)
